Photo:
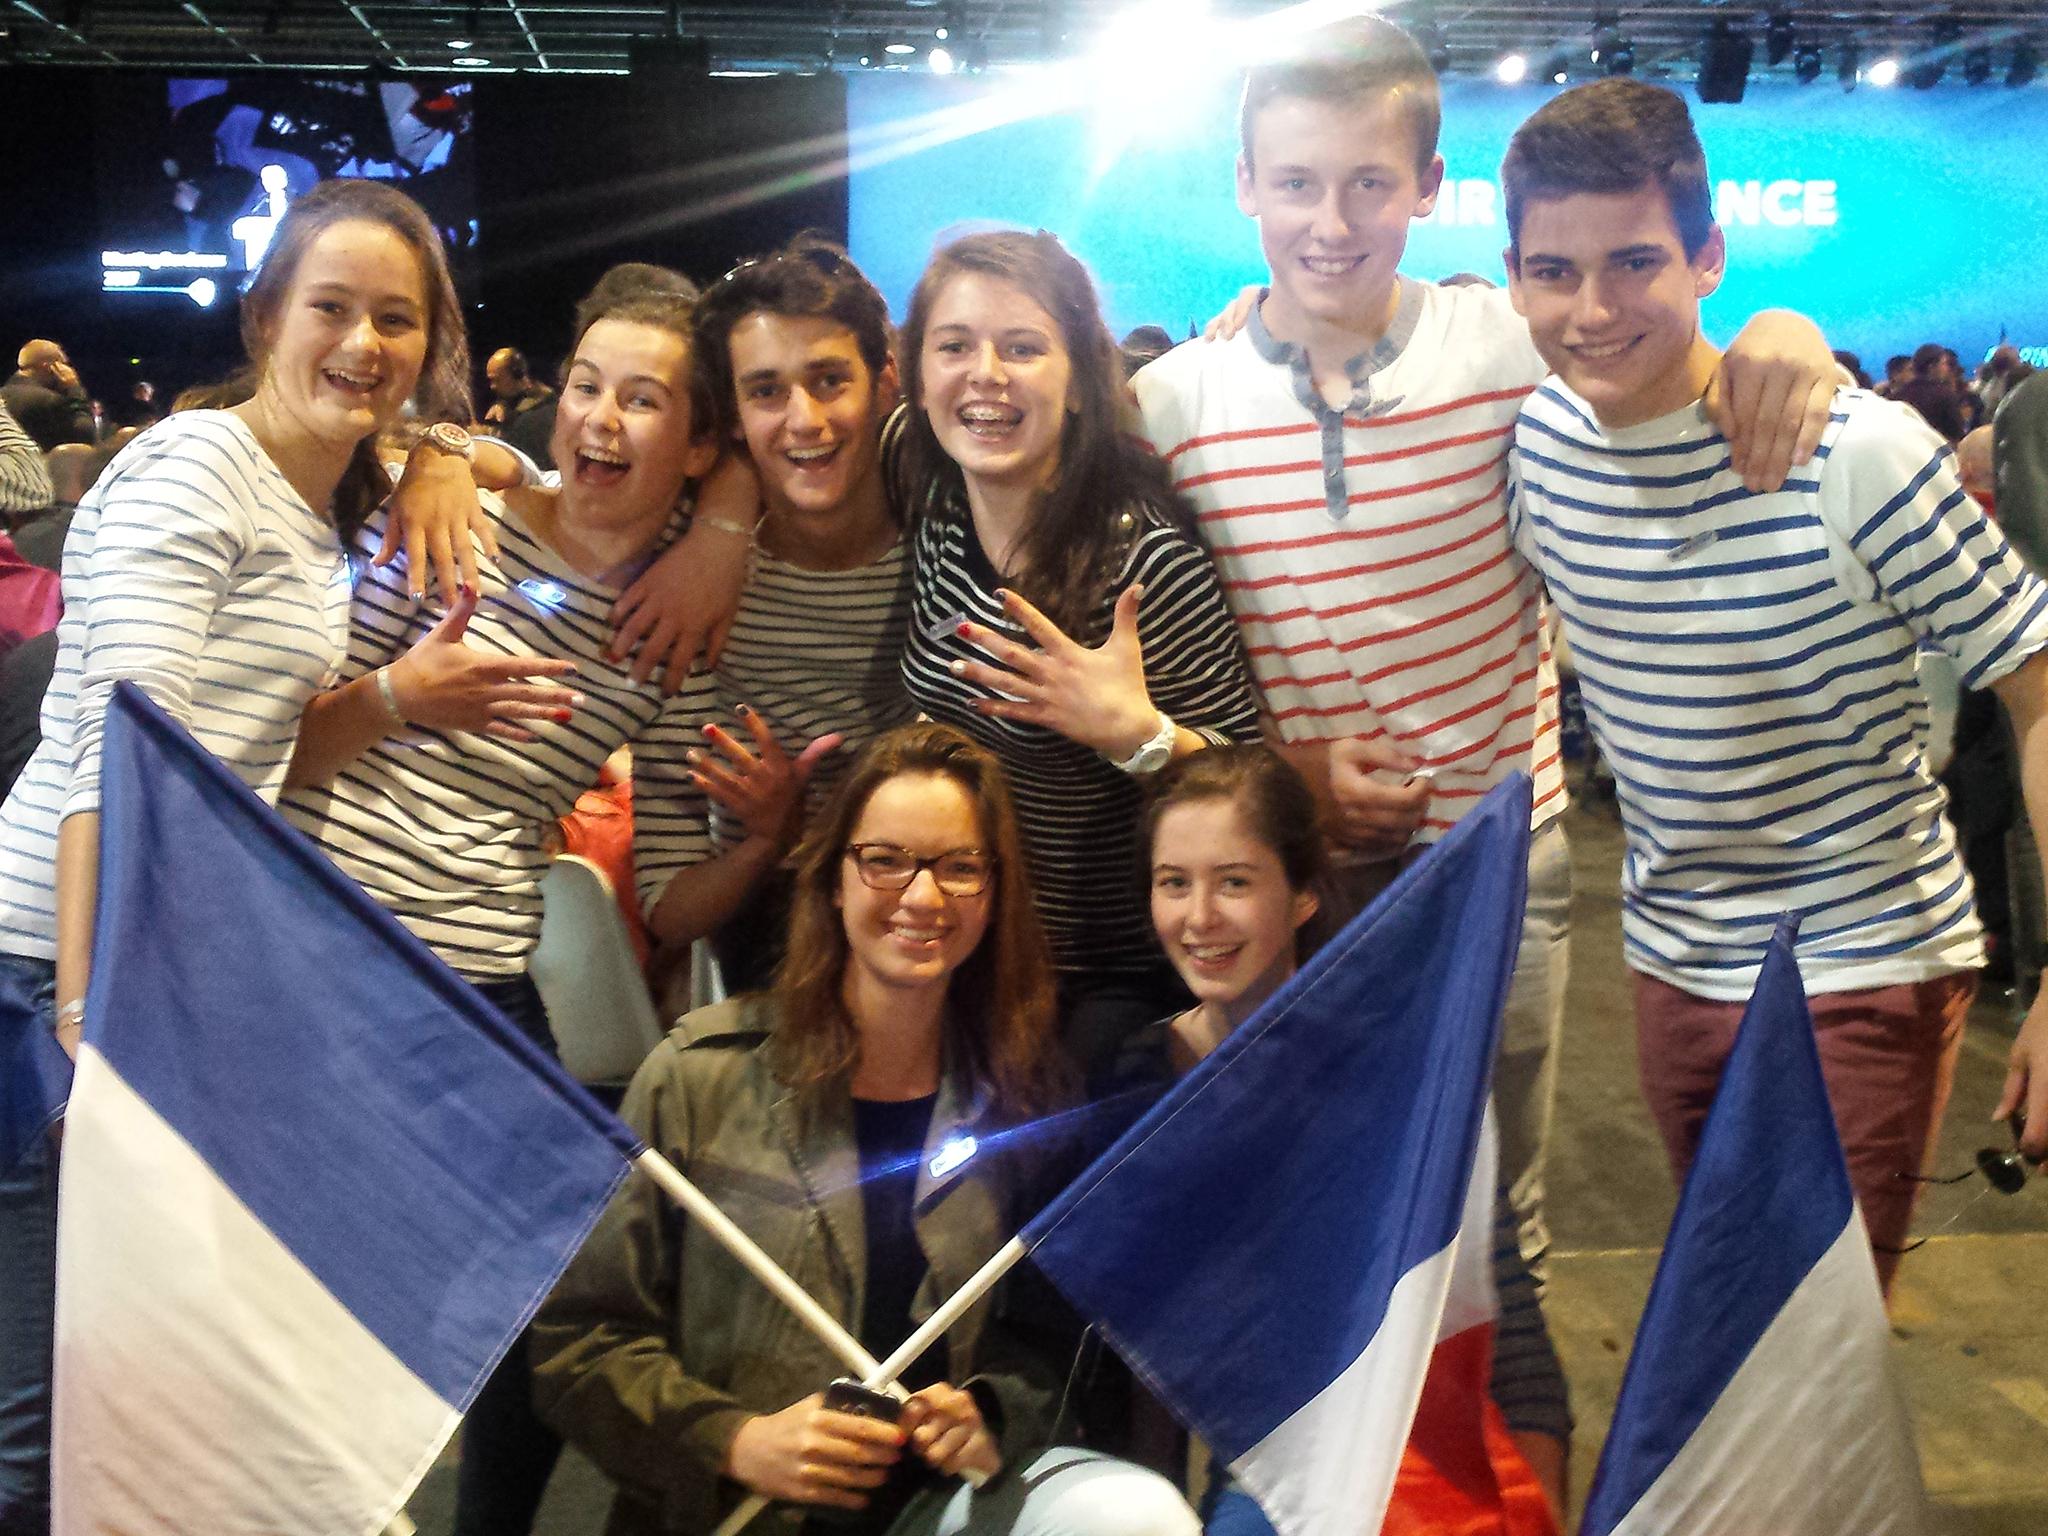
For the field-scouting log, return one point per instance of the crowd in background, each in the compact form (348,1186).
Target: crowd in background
(948,733)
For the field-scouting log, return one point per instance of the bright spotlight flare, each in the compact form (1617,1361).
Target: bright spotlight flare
(1512,70)
(1883,73)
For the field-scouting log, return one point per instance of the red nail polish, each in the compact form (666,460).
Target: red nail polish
(563,716)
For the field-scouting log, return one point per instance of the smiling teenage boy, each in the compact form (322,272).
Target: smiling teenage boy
(796,347)
(1347,454)
(1748,659)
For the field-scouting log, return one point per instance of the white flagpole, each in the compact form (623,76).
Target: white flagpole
(762,1268)
(883,1377)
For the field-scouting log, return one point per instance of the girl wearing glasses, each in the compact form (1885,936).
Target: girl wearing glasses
(1235,858)
(847,1121)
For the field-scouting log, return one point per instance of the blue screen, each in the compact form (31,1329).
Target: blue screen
(1892,217)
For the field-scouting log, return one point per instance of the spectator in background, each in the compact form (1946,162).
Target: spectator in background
(524,411)
(1852,365)
(1939,403)
(24,479)
(1897,369)
(46,398)
(1144,344)
(140,409)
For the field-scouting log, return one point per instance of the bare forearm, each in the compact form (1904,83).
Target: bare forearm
(78,888)
(338,727)
(705,895)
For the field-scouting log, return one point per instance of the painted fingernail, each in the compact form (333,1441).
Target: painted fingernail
(747,709)
(693,756)
(957,668)
(564,716)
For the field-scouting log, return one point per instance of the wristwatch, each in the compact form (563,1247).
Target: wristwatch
(1155,753)
(451,439)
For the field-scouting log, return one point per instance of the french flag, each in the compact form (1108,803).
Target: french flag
(312,1187)
(1298,1235)
(1760,1396)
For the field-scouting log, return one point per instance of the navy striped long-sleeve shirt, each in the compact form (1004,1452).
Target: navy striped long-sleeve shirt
(1748,666)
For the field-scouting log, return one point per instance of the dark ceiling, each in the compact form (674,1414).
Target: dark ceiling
(589,35)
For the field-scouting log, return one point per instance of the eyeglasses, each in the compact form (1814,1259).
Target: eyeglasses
(957,871)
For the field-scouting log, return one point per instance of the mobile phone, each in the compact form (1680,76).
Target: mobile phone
(848,1396)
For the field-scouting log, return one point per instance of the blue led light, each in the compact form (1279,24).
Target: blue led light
(949,1157)
(543,593)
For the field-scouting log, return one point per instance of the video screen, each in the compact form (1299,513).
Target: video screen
(195,177)
(1890,217)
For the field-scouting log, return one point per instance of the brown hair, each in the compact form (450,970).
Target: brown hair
(1352,60)
(642,294)
(442,393)
(1000,1001)
(810,278)
(1610,136)
(1076,541)
(1267,791)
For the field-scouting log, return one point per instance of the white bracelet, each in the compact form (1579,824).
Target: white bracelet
(724,525)
(72,1014)
(390,696)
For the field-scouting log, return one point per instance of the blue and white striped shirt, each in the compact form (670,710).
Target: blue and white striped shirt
(194,570)
(1747,663)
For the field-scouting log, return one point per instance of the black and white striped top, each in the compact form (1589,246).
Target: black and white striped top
(1078,813)
(24,481)
(816,652)
(195,571)
(444,829)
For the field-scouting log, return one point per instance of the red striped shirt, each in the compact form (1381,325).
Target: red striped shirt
(1407,612)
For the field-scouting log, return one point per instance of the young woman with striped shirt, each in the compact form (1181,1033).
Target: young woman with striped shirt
(1063,613)
(206,566)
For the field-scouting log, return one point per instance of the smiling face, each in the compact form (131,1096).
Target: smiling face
(915,938)
(345,350)
(994,377)
(624,431)
(809,409)
(1221,903)
(1334,186)
(1613,301)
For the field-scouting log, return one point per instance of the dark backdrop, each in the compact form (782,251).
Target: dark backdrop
(574,173)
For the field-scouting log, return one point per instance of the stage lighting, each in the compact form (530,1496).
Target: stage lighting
(872,55)
(1725,56)
(952,22)
(1929,64)
(1885,72)
(941,61)
(2026,63)
(1976,65)
(1778,38)
(1558,69)
(1806,63)
(1511,70)
(899,50)
(1429,37)
(1612,53)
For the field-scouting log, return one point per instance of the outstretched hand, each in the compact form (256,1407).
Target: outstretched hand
(762,786)
(1093,695)
(446,684)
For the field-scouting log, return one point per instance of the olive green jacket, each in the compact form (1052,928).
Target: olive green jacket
(657,1345)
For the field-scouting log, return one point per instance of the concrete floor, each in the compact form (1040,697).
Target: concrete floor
(1970,1310)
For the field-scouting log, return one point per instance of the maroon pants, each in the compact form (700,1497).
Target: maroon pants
(1888,1055)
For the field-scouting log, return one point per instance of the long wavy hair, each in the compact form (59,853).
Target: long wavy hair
(999,1003)
(1084,524)
(442,393)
